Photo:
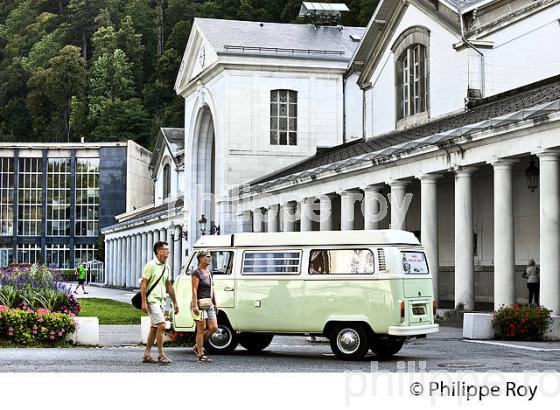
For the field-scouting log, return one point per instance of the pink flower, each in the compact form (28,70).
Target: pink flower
(52,337)
(60,333)
(43,311)
(3,307)
(40,320)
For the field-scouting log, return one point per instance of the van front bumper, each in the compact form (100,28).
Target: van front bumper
(412,330)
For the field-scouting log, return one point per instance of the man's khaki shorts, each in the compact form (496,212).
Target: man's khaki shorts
(156,313)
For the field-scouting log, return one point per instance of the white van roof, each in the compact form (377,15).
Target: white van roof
(363,237)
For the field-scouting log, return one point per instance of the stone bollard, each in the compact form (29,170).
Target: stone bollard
(478,326)
(145,329)
(87,331)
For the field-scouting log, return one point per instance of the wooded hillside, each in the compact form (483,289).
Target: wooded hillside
(105,69)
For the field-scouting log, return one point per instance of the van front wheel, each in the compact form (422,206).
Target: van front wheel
(385,347)
(223,341)
(349,341)
(255,342)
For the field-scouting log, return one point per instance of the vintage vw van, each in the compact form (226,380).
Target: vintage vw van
(360,289)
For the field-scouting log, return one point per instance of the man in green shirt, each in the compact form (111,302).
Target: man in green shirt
(82,273)
(154,303)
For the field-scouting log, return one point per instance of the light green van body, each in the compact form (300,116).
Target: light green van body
(305,303)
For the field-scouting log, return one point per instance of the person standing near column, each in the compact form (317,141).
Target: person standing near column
(156,274)
(532,274)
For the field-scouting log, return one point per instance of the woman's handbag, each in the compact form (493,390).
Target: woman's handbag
(204,303)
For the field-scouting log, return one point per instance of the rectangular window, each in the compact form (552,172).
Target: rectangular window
(58,256)
(6,257)
(30,196)
(341,262)
(6,196)
(58,197)
(29,253)
(271,262)
(283,117)
(412,79)
(414,263)
(84,253)
(87,197)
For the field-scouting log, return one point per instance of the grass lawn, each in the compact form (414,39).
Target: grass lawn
(111,312)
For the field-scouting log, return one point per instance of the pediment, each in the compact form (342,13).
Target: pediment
(199,55)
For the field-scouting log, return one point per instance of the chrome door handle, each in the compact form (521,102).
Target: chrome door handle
(228,289)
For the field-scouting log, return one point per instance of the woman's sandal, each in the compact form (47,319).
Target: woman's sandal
(204,359)
(164,360)
(149,359)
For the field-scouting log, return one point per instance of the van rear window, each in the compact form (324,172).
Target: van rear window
(263,262)
(414,263)
(341,262)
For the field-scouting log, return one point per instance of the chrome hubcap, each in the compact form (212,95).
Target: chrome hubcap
(348,341)
(221,338)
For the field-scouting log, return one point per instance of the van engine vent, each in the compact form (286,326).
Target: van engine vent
(381,259)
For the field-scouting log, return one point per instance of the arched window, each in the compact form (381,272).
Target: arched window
(412,72)
(283,117)
(166,181)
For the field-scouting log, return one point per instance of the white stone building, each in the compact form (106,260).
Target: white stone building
(129,243)
(300,128)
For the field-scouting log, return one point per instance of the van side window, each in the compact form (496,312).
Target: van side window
(341,262)
(414,263)
(220,262)
(275,263)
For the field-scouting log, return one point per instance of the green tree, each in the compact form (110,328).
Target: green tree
(51,91)
(15,120)
(82,18)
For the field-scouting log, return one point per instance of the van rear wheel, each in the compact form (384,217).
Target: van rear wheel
(385,347)
(255,342)
(349,341)
(223,341)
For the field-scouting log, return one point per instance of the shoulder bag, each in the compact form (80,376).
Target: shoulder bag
(137,298)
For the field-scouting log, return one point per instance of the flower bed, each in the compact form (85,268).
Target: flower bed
(518,322)
(26,327)
(32,288)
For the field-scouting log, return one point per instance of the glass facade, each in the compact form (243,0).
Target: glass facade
(29,253)
(6,196)
(30,196)
(58,256)
(84,253)
(58,197)
(6,257)
(87,197)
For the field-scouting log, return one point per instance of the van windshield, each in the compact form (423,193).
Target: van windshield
(220,262)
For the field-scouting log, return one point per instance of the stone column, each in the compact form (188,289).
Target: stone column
(150,247)
(289,215)
(306,214)
(134,261)
(273,216)
(464,264)
(177,250)
(122,261)
(429,226)
(128,257)
(549,164)
(398,215)
(504,248)
(144,247)
(156,239)
(139,264)
(163,235)
(371,207)
(325,209)
(347,218)
(258,219)
(107,259)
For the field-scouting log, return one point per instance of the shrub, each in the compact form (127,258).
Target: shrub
(25,327)
(30,287)
(518,322)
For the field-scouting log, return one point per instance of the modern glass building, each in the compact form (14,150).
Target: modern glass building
(55,198)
